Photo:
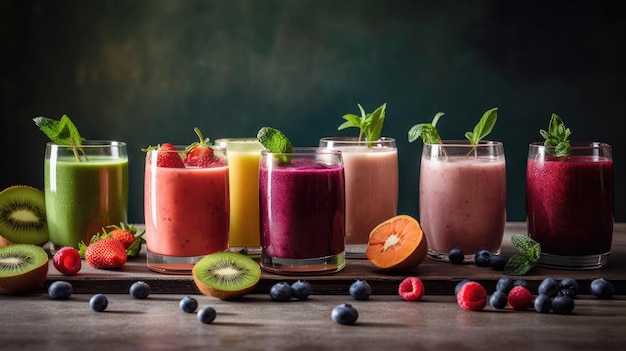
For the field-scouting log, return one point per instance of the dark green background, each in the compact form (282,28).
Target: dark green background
(149,71)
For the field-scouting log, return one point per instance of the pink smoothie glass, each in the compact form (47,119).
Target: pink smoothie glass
(371,172)
(462,197)
(302,210)
(569,204)
(186,212)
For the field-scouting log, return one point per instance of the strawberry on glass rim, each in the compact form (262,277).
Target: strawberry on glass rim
(199,154)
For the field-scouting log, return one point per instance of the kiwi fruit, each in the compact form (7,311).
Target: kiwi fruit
(226,275)
(23,215)
(23,268)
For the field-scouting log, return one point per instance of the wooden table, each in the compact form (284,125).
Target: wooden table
(255,322)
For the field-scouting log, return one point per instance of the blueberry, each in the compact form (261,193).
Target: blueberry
(521,282)
(504,284)
(482,258)
(456,256)
(60,290)
(602,288)
(98,302)
(188,304)
(140,290)
(459,285)
(562,304)
(542,303)
(498,300)
(344,314)
(570,284)
(549,286)
(360,290)
(281,292)
(207,315)
(498,262)
(301,289)
(566,292)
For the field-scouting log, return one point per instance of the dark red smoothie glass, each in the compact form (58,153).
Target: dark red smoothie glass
(569,204)
(302,210)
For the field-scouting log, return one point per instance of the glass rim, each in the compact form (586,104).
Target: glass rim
(92,143)
(182,148)
(236,139)
(354,139)
(302,151)
(466,143)
(575,145)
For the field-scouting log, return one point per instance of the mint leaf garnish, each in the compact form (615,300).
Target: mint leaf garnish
(427,131)
(483,127)
(275,141)
(557,136)
(370,124)
(526,259)
(62,132)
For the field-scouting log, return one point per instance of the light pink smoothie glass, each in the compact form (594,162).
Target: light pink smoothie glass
(371,172)
(186,212)
(462,197)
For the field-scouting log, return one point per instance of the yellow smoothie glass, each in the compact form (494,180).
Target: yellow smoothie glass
(243,161)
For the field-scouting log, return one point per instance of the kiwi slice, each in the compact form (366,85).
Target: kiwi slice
(23,215)
(226,275)
(23,268)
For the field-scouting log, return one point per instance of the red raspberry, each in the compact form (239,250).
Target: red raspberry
(67,260)
(520,298)
(472,296)
(411,289)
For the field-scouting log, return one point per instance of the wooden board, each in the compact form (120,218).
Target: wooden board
(439,278)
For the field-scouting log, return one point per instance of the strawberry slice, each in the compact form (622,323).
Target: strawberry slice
(199,154)
(168,158)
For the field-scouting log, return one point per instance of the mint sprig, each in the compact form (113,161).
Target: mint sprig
(526,259)
(427,131)
(483,127)
(275,141)
(557,137)
(62,132)
(370,124)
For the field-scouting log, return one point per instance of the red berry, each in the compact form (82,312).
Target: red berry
(106,253)
(199,154)
(126,237)
(411,289)
(67,260)
(472,296)
(167,157)
(520,298)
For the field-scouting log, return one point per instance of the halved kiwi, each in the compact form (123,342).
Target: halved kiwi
(23,215)
(23,268)
(226,275)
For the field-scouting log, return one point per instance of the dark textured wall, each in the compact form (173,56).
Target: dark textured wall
(149,71)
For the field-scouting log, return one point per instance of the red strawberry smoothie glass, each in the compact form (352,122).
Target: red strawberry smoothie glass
(569,204)
(84,196)
(186,210)
(302,209)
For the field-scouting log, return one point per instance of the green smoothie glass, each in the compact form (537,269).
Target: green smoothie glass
(84,194)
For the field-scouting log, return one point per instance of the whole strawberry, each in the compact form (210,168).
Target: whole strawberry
(127,235)
(199,154)
(168,158)
(67,260)
(107,253)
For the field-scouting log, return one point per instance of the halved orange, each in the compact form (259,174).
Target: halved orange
(397,243)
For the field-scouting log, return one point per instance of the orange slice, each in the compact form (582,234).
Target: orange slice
(397,243)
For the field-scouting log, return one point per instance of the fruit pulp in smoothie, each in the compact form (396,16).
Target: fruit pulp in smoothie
(83,197)
(187,210)
(569,204)
(371,189)
(244,197)
(463,203)
(302,210)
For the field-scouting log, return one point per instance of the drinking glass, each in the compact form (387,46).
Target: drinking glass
(462,197)
(569,204)
(302,209)
(85,190)
(186,212)
(371,173)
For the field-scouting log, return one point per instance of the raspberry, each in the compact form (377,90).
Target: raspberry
(67,260)
(472,296)
(411,289)
(520,298)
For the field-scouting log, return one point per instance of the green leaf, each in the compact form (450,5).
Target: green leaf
(370,125)
(518,265)
(483,127)
(427,131)
(275,141)
(557,137)
(526,259)
(62,132)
